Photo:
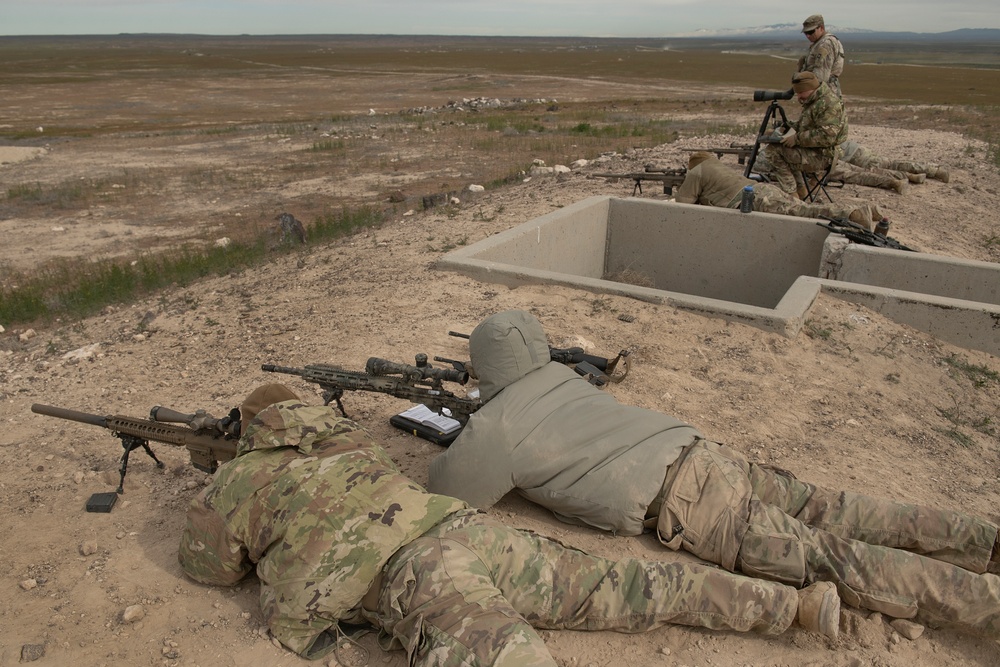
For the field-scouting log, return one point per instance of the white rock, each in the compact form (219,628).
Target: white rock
(27,335)
(223,242)
(133,613)
(472,188)
(80,353)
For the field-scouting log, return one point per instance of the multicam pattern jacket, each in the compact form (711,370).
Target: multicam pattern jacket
(826,60)
(318,507)
(823,123)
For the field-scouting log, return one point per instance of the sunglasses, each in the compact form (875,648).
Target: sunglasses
(809,32)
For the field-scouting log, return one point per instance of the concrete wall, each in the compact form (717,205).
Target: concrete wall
(568,241)
(712,252)
(758,269)
(922,273)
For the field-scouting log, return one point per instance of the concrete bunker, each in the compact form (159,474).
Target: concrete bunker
(761,269)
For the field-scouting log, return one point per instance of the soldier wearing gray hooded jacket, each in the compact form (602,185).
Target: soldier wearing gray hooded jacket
(570,447)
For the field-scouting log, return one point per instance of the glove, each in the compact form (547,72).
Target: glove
(788,138)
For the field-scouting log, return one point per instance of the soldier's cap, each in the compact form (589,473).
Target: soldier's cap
(263,396)
(813,22)
(697,158)
(804,81)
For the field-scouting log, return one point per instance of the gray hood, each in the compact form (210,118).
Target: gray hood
(504,348)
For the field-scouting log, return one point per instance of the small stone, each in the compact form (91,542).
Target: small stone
(133,613)
(908,629)
(88,548)
(28,584)
(32,652)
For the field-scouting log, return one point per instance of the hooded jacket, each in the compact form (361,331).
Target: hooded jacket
(560,441)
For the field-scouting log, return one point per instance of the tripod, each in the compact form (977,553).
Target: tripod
(774,110)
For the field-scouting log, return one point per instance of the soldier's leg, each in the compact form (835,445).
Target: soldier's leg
(438,601)
(944,535)
(771,199)
(472,588)
(892,581)
(714,512)
(782,161)
(872,178)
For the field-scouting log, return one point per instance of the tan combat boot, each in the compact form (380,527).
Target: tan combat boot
(916,178)
(900,186)
(863,216)
(802,192)
(819,609)
(939,174)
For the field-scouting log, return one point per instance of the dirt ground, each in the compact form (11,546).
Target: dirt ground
(856,402)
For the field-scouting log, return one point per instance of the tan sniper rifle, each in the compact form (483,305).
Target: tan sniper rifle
(207,439)
(670,177)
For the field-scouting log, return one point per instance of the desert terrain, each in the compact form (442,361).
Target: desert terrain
(855,401)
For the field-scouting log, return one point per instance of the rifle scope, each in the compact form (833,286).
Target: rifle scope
(422,371)
(769,95)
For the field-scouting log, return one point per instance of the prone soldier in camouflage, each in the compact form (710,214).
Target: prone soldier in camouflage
(854,153)
(711,183)
(850,174)
(573,449)
(810,144)
(825,58)
(338,534)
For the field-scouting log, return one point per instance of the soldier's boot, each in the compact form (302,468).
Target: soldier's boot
(939,174)
(900,186)
(819,609)
(916,178)
(802,192)
(864,216)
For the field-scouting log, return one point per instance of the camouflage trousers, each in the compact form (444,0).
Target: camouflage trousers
(785,162)
(471,591)
(864,158)
(769,198)
(871,177)
(903,560)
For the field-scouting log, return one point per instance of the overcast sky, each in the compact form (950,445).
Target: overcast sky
(594,18)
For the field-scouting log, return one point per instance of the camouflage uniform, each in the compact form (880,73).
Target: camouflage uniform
(338,534)
(850,174)
(902,560)
(540,417)
(854,153)
(826,60)
(819,130)
(712,183)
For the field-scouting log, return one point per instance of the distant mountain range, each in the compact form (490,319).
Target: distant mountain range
(783,31)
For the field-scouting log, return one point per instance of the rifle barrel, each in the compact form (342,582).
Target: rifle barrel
(73,415)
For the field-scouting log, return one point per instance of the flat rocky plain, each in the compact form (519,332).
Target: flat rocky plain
(855,401)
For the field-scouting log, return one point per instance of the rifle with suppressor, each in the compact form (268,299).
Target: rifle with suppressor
(597,370)
(207,439)
(670,177)
(855,232)
(421,383)
(741,151)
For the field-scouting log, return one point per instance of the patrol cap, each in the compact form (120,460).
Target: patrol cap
(263,396)
(804,81)
(697,158)
(813,22)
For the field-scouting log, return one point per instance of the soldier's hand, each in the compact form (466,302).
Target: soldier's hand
(788,138)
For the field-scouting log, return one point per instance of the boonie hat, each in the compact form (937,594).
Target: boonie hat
(803,81)
(697,158)
(263,396)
